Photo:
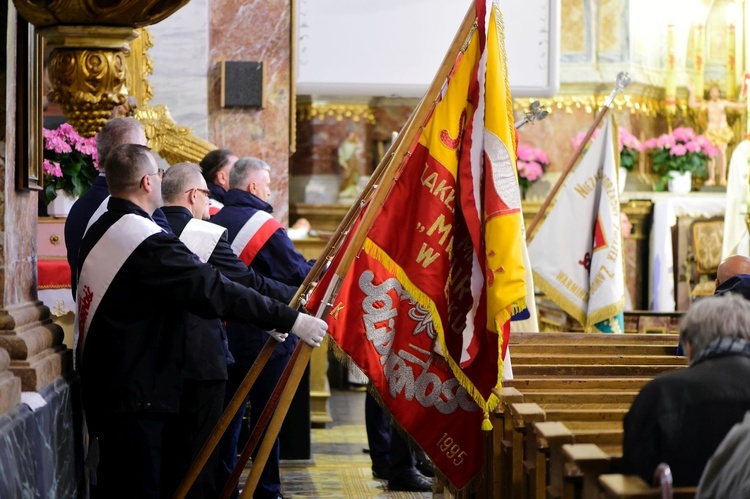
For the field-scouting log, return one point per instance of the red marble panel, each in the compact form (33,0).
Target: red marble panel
(242,30)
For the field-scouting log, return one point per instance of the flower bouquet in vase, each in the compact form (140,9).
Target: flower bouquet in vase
(532,163)
(70,167)
(678,156)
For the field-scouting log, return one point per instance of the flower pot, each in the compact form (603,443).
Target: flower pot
(622,177)
(60,206)
(680,183)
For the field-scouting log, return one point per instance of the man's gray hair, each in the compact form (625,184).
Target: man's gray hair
(178,179)
(715,317)
(243,169)
(117,132)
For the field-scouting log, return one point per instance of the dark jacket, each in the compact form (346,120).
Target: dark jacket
(739,284)
(680,418)
(217,192)
(277,259)
(134,347)
(79,216)
(207,354)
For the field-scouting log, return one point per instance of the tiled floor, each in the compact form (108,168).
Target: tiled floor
(340,468)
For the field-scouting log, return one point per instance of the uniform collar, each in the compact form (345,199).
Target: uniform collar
(237,197)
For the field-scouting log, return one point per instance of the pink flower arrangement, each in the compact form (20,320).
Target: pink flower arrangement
(630,147)
(682,150)
(70,162)
(531,165)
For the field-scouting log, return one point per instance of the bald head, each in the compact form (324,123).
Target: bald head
(732,266)
(178,179)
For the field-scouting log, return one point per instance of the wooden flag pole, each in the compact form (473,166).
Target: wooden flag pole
(422,113)
(344,227)
(303,352)
(623,80)
(260,426)
(268,348)
(407,138)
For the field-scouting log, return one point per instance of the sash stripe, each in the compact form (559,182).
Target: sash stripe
(214,206)
(103,263)
(101,210)
(201,237)
(253,235)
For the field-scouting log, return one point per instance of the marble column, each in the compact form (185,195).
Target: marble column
(35,345)
(254,30)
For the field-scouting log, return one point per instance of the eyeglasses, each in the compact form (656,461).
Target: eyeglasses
(159,172)
(204,191)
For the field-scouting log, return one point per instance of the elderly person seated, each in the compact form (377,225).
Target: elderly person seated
(681,417)
(733,276)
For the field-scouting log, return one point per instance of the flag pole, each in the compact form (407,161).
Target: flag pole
(407,137)
(262,358)
(623,80)
(260,361)
(410,134)
(329,251)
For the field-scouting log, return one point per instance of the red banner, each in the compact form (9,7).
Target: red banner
(424,306)
(391,338)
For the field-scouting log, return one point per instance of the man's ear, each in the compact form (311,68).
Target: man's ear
(223,177)
(147,185)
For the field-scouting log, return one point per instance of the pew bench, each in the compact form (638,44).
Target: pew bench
(616,486)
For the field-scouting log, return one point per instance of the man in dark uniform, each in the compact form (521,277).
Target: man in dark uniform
(216,166)
(115,132)
(136,283)
(206,357)
(262,243)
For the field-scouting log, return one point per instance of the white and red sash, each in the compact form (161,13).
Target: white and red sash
(214,206)
(101,210)
(103,263)
(201,237)
(253,235)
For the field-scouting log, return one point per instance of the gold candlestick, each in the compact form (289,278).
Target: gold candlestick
(731,79)
(699,51)
(670,86)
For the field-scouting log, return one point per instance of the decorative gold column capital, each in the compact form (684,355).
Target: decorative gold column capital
(88,72)
(175,143)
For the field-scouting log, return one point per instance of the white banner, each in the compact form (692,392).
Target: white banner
(576,254)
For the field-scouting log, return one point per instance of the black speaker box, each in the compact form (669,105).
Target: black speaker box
(241,84)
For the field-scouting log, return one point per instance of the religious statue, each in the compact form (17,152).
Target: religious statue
(717,129)
(348,157)
(127,110)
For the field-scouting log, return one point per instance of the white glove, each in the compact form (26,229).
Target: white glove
(280,337)
(310,329)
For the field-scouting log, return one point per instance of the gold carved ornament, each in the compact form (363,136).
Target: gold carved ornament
(637,104)
(175,143)
(88,84)
(340,112)
(89,40)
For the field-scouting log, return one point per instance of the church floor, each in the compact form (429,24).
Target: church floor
(340,468)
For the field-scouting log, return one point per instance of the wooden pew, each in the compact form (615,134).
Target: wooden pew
(592,339)
(545,444)
(616,486)
(543,431)
(550,368)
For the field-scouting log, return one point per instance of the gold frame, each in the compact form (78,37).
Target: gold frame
(29,153)
(293,77)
